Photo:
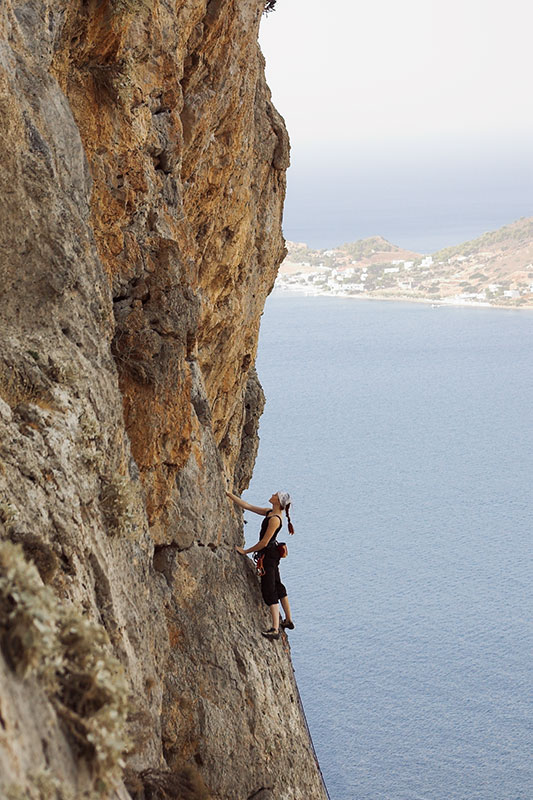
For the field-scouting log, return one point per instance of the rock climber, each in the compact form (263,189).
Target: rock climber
(272,589)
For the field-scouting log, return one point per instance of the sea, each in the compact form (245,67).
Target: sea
(404,434)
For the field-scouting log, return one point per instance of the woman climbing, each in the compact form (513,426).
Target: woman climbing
(272,589)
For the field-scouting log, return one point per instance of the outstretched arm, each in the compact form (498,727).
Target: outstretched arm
(247,507)
(270,531)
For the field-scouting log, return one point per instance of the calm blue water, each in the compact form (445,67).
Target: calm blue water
(405,435)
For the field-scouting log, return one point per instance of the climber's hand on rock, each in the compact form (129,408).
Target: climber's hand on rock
(240,550)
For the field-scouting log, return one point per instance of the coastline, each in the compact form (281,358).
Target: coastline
(403,299)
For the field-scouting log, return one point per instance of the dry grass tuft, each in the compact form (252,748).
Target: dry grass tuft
(155,784)
(17,387)
(118,502)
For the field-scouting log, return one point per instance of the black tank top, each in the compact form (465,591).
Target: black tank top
(272,545)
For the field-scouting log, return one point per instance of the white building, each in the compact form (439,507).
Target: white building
(354,287)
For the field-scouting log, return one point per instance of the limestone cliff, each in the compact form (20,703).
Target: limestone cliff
(142,183)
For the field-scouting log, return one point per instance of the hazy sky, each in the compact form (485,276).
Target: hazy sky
(405,89)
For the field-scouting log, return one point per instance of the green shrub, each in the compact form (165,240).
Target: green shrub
(28,617)
(70,655)
(93,692)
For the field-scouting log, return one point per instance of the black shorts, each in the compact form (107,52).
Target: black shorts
(272,588)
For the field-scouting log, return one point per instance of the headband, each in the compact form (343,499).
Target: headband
(284,499)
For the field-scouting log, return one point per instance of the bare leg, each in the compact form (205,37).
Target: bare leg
(286,607)
(274,610)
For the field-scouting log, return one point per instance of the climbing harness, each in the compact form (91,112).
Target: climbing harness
(278,549)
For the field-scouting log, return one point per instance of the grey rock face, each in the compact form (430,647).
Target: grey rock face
(131,285)
(254,402)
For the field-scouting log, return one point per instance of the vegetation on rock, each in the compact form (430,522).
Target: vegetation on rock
(70,655)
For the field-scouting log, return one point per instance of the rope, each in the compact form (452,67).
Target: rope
(308,731)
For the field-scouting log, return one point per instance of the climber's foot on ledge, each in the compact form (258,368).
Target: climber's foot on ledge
(270,634)
(287,623)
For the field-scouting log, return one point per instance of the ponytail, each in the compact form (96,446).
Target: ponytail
(291,528)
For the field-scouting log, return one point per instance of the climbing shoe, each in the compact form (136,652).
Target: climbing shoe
(270,634)
(287,623)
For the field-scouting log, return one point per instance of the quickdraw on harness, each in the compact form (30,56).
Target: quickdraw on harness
(279,548)
(259,558)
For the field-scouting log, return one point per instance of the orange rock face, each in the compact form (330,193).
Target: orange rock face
(188,160)
(142,184)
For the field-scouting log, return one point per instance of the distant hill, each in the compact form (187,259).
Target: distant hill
(374,250)
(363,248)
(516,239)
(495,268)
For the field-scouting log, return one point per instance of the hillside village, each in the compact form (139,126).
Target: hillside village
(494,269)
